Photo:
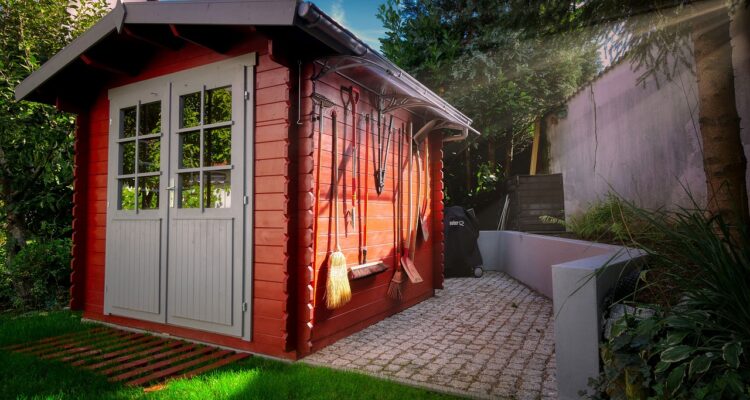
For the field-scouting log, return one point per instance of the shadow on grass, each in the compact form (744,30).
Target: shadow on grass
(258,378)
(28,377)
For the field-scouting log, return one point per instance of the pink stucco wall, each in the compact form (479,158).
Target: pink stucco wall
(641,142)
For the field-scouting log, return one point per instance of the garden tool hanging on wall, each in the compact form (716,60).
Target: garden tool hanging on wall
(347,99)
(323,103)
(365,269)
(394,287)
(410,243)
(423,227)
(338,291)
(382,156)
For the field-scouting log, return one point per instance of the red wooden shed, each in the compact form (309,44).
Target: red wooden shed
(199,157)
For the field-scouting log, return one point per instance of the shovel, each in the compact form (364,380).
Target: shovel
(407,260)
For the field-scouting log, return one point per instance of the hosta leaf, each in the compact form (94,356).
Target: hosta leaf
(662,366)
(619,327)
(699,365)
(732,353)
(676,353)
(676,338)
(674,380)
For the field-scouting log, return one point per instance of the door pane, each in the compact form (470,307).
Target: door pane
(148,193)
(218,189)
(190,190)
(190,149)
(218,147)
(127,194)
(190,110)
(127,122)
(150,118)
(149,155)
(127,151)
(218,105)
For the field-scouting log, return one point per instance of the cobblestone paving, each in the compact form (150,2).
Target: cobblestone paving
(490,337)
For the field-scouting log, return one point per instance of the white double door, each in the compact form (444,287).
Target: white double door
(177,209)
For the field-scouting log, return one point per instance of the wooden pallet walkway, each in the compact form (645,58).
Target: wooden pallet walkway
(135,359)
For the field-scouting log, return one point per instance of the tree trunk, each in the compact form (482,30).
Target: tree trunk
(723,154)
(508,157)
(491,148)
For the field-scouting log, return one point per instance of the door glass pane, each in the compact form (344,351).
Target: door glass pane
(218,105)
(127,151)
(127,194)
(217,147)
(148,193)
(190,149)
(150,118)
(190,110)
(218,189)
(190,190)
(127,122)
(149,155)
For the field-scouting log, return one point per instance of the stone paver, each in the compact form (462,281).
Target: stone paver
(490,337)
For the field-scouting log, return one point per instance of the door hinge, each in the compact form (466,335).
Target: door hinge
(244,306)
(247,95)
(245,200)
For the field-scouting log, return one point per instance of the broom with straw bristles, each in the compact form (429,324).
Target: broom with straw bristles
(394,288)
(338,291)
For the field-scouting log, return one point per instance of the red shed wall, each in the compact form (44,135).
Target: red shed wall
(271,184)
(318,326)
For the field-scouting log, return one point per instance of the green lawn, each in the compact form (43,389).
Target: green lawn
(26,377)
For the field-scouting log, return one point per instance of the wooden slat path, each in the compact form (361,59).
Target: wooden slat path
(135,359)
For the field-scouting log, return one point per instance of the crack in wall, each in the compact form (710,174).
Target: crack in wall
(596,133)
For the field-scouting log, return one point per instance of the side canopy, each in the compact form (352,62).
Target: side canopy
(125,40)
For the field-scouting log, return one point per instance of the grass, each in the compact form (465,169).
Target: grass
(26,377)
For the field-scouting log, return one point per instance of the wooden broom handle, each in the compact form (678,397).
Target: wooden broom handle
(334,189)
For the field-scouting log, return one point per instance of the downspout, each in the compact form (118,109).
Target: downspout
(457,138)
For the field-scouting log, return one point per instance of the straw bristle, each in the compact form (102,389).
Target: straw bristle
(394,288)
(338,291)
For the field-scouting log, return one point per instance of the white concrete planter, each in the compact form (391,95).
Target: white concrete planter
(572,273)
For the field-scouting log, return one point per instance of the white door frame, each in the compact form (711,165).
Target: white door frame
(242,71)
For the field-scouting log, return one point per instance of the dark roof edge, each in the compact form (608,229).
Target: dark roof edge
(304,15)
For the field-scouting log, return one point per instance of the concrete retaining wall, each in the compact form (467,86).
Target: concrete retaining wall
(572,274)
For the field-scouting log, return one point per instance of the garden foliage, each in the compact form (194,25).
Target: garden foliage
(36,140)
(696,347)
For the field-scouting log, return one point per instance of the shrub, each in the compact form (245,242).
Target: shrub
(39,275)
(696,349)
(610,220)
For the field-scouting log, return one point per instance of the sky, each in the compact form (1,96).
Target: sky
(359,16)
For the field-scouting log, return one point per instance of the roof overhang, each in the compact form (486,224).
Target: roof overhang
(350,58)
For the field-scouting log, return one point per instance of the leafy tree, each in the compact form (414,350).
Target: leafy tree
(470,53)
(36,141)
(660,37)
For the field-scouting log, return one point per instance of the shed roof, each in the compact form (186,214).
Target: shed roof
(169,24)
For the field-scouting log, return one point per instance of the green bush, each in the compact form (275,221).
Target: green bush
(610,220)
(698,348)
(38,277)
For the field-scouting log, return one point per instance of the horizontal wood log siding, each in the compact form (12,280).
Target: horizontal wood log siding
(316,325)
(271,179)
